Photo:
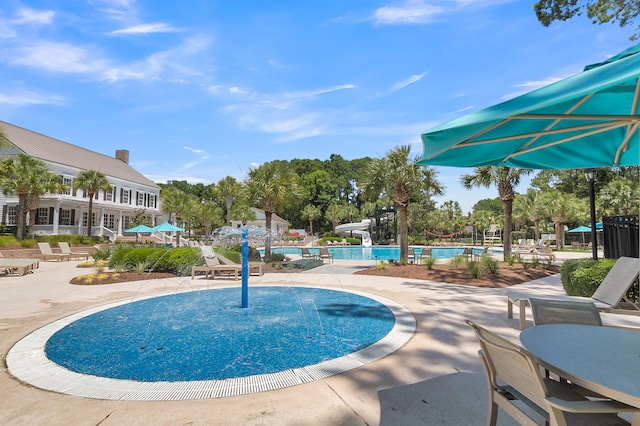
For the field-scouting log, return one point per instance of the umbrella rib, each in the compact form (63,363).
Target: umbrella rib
(597,126)
(625,143)
(561,141)
(556,121)
(636,95)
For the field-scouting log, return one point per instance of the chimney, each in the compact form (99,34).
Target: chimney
(123,155)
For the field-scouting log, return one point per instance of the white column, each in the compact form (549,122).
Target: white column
(56,217)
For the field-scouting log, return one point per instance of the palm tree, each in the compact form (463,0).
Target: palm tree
(398,175)
(41,183)
(271,186)
(560,208)
(620,196)
(91,181)
(335,213)
(18,177)
(229,189)
(506,179)
(174,202)
(311,212)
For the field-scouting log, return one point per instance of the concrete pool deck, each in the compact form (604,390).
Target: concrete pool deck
(435,378)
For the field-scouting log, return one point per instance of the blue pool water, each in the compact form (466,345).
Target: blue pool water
(375,252)
(205,335)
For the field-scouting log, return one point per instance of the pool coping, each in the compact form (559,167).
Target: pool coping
(27,362)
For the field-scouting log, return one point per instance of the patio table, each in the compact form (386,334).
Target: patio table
(605,360)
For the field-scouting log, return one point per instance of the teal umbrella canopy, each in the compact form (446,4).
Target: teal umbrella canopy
(138,229)
(166,227)
(586,120)
(580,229)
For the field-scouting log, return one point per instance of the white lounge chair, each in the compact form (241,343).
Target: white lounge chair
(47,253)
(257,266)
(609,297)
(325,254)
(213,265)
(66,249)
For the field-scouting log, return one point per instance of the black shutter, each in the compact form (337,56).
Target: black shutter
(51,211)
(73,217)
(4,214)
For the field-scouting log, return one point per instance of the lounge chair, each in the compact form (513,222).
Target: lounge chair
(307,254)
(325,254)
(467,253)
(213,265)
(424,253)
(513,376)
(64,248)
(609,297)
(17,266)
(258,266)
(47,253)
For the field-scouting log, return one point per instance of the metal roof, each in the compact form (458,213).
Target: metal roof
(53,150)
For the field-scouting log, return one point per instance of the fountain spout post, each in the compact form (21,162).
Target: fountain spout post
(245,267)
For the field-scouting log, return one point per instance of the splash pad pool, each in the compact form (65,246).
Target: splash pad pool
(184,347)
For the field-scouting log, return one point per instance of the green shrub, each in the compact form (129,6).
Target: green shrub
(535,262)
(429,262)
(490,264)
(8,241)
(275,257)
(28,243)
(474,269)
(512,259)
(176,260)
(581,277)
(102,253)
(72,239)
(457,261)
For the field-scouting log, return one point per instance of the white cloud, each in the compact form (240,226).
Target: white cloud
(58,57)
(197,151)
(170,65)
(192,164)
(26,97)
(413,79)
(146,29)
(423,12)
(317,92)
(27,16)
(411,12)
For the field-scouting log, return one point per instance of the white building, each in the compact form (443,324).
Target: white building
(67,213)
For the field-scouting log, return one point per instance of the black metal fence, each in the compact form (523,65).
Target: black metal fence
(621,236)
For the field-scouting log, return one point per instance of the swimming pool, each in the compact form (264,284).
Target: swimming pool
(375,252)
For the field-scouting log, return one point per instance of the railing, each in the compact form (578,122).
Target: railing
(620,236)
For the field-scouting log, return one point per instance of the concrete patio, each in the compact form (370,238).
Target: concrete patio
(436,378)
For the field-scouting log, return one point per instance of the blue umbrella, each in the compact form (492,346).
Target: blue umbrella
(166,227)
(584,121)
(138,229)
(580,229)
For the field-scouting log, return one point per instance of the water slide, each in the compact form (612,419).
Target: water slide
(360,228)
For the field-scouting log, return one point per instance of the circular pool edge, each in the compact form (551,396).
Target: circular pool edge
(27,362)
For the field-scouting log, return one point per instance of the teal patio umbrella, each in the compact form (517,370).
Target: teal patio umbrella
(138,229)
(167,227)
(584,121)
(582,229)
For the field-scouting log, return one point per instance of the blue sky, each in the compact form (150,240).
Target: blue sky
(203,89)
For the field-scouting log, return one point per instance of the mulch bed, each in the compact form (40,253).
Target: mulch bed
(507,275)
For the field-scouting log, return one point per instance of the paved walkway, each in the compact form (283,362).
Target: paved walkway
(435,378)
